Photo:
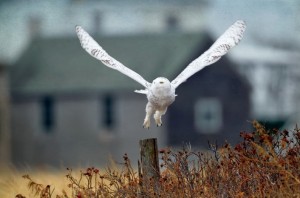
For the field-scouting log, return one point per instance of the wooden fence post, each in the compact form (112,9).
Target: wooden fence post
(149,167)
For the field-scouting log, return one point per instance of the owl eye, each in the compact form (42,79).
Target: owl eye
(161,82)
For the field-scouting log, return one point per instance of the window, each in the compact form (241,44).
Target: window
(48,113)
(108,115)
(208,115)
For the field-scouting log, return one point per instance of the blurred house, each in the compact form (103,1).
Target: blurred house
(268,56)
(214,105)
(69,109)
(274,75)
(59,91)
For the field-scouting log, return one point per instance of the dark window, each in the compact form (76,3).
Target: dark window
(208,115)
(108,111)
(48,113)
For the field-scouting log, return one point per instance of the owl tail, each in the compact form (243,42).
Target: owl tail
(142,91)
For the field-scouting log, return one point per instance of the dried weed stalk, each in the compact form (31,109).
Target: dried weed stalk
(265,164)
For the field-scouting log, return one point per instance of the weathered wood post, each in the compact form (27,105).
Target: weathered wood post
(149,167)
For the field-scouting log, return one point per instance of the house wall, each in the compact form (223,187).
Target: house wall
(132,113)
(76,130)
(220,82)
(78,137)
(25,127)
(5,146)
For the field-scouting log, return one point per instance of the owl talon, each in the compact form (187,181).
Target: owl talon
(146,124)
(158,123)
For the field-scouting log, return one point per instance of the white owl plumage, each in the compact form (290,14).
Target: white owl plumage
(161,92)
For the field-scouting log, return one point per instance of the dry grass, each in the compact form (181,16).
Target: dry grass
(265,164)
(12,182)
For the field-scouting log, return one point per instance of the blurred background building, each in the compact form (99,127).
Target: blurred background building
(66,109)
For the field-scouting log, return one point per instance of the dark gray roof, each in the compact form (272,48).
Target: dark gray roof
(60,65)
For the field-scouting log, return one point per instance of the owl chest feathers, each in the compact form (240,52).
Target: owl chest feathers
(161,97)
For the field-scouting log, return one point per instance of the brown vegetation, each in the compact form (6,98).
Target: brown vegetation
(265,164)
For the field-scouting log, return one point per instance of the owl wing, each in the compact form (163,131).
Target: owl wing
(230,38)
(95,50)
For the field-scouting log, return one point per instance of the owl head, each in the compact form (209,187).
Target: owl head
(161,82)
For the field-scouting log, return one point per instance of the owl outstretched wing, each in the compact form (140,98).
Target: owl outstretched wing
(95,50)
(230,38)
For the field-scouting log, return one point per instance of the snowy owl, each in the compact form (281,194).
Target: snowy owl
(161,92)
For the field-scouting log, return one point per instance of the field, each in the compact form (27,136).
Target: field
(265,164)
(13,183)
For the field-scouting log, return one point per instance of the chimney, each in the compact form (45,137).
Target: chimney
(97,22)
(34,26)
(172,23)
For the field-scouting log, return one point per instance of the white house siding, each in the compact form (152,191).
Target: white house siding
(77,130)
(25,127)
(78,137)
(132,112)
